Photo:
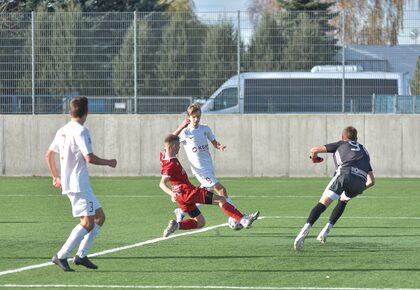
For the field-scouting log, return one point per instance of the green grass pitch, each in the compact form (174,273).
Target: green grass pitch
(376,244)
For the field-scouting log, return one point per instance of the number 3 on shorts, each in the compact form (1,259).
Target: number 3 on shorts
(91,209)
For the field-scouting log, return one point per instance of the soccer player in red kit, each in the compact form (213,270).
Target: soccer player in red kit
(181,190)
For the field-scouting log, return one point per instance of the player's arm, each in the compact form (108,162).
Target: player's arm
(181,127)
(164,186)
(370,180)
(316,150)
(218,145)
(50,158)
(93,159)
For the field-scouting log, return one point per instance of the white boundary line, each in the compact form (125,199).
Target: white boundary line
(152,241)
(182,287)
(352,217)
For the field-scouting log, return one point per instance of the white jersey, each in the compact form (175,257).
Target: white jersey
(73,142)
(196,147)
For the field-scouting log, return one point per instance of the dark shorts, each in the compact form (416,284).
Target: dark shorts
(351,184)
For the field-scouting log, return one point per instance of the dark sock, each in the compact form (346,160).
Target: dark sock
(337,211)
(315,213)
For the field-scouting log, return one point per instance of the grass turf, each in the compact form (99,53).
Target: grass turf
(374,245)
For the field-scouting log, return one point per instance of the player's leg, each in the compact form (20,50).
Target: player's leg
(221,190)
(245,220)
(195,221)
(335,215)
(329,194)
(80,208)
(98,220)
(353,186)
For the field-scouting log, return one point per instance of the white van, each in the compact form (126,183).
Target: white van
(305,92)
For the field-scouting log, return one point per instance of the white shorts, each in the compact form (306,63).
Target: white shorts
(206,178)
(83,203)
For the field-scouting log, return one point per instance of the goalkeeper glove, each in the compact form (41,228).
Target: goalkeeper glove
(316,159)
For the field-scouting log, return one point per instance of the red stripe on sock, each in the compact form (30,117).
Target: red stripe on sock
(187,224)
(231,211)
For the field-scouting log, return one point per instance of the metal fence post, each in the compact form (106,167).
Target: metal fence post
(33,60)
(395,104)
(239,62)
(373,103)
(343,62)
(135,61)
(414,104)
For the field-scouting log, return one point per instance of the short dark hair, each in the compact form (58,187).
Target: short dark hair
(171,138)
(193,108)
(78,106)
(350,133)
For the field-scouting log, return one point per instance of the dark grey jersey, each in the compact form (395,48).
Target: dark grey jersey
(350,157)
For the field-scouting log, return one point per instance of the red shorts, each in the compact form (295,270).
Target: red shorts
(188,199)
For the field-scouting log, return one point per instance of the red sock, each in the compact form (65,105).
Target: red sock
(231,211)
(187,224)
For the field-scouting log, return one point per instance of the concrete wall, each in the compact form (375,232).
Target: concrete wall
(258,145)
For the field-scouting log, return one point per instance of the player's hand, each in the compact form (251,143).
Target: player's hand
(173,197)
(184,123)
(112,163)
(221,147)
(56,182)
(316,159)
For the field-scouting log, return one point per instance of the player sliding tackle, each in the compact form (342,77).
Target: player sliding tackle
(187,195)
(194,137)
(353,175)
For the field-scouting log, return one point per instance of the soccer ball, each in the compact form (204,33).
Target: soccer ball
(234,225)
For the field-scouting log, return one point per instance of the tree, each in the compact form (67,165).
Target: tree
(415,82)
(178,5)
(123,66)
(307,42)
(55,52)
(265,52)
(257,8)
(219,57)
(13,34)
(85,5)
(181,47)
(305,5)
(369,21)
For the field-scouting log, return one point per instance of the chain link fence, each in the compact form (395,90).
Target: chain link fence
(288,62)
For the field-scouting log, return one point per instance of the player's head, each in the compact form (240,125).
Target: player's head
(79,107)
(172,144)
(349,133)
(194,114)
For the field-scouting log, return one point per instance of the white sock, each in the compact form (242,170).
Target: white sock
(305,230)
(230,201)
(73,240)
(327,228)
(87,241)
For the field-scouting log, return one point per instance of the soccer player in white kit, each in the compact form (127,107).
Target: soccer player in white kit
(194,137)
(73,144)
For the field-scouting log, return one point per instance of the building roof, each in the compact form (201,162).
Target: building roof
(397,58)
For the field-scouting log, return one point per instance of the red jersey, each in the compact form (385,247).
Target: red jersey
(178,178)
